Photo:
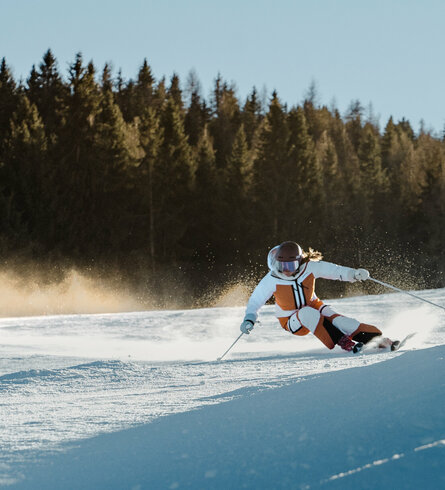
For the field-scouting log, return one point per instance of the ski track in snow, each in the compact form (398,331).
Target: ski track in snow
(380,462)
(66,378)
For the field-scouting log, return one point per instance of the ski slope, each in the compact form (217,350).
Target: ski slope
(137,400)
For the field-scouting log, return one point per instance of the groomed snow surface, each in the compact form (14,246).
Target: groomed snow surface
(138,401)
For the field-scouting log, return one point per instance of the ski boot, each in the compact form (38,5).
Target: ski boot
(358,347)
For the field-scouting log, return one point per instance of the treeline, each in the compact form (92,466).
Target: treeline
(151,176)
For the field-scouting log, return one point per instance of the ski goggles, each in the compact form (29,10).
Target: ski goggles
(288,266)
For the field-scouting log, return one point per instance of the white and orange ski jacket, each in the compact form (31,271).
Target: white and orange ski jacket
(295,292)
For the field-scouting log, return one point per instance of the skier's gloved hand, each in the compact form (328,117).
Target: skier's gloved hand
(248,323)
(361,275)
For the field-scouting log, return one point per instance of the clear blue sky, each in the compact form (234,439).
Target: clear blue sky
(386,52)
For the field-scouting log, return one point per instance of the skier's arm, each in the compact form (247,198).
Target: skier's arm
(327,270)
(263,291)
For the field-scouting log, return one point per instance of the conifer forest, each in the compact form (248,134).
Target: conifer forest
(167,185)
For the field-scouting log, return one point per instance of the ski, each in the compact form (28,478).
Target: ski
(395,345)
(400,343)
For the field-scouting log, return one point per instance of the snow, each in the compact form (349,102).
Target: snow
(137,400)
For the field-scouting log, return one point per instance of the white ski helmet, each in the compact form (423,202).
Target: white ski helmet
(284,260)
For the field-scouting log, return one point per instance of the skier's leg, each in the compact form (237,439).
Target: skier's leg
(359,332)
(365,333)
(309,319)
(284,322)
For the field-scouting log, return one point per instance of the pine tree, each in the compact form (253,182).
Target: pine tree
(354,125)
(196,119)
(197,114)
(109,176)
(251,118)
(174,91)
(302,192)
(192,86)
(406,127)
(107,79)
(387,144)
(75,170)
(237,191)
(369,153)
(429,219)
(150,185)
(48,92)
(225,123)
(144,88)
(397,150)
(332,188)
(46,89)
(312,112)
(125,97)
(375,184)
(8,101)
(327,155)
(134,97)
(160,96)
(24,175)
(351,204)
(270,175)
(219,87)
(176,176)
(239,165)
(204,234)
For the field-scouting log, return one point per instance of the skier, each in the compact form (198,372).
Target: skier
(291,280)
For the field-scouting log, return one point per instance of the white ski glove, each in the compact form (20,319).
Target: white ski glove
(361,275)
(248,323)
